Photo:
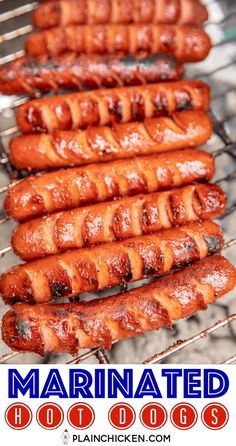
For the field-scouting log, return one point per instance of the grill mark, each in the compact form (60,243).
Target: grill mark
(64,116)
(115,108)
(176,211)
(34,117)
(90,114)
(153,261)
(137,107)
(184,101)
(149,215)
(121,268)
(59,289)
(213,243)
(161,104)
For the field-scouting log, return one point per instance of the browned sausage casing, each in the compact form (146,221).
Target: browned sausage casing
(117,220)
(67,12)
(51,192)
(79,72)
(69,327)
(109,264)
(77,147)
(185,43)
(104,107)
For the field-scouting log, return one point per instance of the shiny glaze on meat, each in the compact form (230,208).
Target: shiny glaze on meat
(104,107)
(69,327)
(80,72)
(37,152)
(66,12)
(64,189)
(185,43)
(117,220)
(110,264)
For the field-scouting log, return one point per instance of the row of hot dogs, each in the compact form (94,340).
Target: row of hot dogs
(66,12)
(142,209)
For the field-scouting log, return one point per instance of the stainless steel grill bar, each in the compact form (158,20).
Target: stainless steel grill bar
(4,251)
(16,33)
(17,11)
(102,356)
(84,356)
(8,356)
(229,177)
(4,189)
(14,104)
(182,344)
(229,361)
(4,219)
(11,57)
(8,132)
(228,212)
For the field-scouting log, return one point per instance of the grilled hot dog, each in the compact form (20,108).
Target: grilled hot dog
(69,327)
(102,107)
(186,44)
(39,195)
(72,71)
(76,147)
(117,220)
(108,265)
(66,12)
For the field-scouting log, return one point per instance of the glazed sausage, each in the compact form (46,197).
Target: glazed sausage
(186,44)
(110,264)
(79,72)
(51,192)
(95,144)
(69,327)
(117,220)
(67,12)
(104,107)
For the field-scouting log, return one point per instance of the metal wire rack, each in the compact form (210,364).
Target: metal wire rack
(217,70)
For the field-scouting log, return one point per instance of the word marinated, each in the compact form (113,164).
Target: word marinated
(110,383)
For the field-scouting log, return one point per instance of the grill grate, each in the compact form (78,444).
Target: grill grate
(223,143)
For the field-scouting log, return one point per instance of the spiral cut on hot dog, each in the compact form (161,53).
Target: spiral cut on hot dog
(37,152)
(104,107)
(80,72)
(51,192)
(117,220)
(109,264)
(67,12)
(186,44)
(69,327)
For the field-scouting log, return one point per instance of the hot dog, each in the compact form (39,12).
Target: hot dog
(110,264)
(66,12)
(79,72)
(77,147)
(185,43)
(117,220)
(68,327)
(104,107)
(51,192)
